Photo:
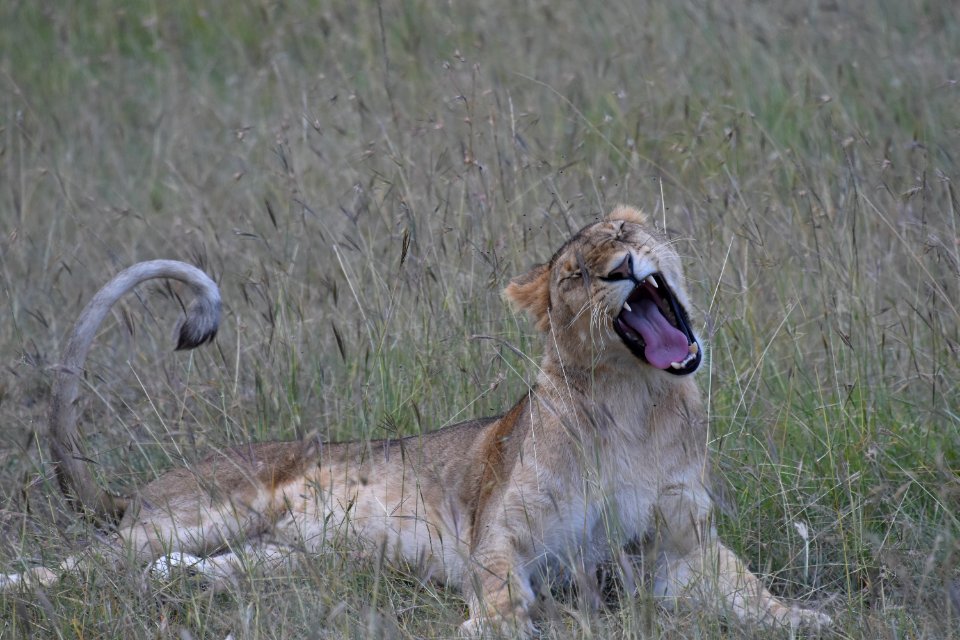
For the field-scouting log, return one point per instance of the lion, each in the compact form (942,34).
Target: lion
(605,452)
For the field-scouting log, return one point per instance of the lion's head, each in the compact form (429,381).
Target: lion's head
(614,290)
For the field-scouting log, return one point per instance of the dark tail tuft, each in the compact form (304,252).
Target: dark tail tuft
(200,324)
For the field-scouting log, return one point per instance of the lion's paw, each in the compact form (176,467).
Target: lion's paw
(497,627)
(809,619)
(472,628)
(10,581)
(166,567)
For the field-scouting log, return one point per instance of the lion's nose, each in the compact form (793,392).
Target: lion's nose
(623,271)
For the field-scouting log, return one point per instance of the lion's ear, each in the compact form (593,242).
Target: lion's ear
(623,212)
(531,293)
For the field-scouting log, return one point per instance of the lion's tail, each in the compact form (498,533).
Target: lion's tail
(199,326)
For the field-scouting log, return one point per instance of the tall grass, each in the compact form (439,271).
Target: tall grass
(363,178)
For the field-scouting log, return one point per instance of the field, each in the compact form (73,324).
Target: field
(363,178)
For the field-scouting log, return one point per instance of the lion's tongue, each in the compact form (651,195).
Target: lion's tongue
(664,342)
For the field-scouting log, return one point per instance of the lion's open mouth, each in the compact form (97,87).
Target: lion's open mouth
(655,327)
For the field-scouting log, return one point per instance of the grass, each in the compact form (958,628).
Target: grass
(363,178)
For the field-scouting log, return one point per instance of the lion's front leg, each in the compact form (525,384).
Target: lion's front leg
(696,567)
(711,575)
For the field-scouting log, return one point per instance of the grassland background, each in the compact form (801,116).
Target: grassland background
(362,179)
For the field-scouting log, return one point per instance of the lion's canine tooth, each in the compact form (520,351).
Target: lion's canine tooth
(652,282)
(694,348)
(626,306)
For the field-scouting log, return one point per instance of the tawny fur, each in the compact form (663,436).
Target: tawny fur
(604,453)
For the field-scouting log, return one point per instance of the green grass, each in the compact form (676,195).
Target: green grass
(805,156)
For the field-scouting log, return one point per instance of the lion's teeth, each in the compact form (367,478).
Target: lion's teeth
(694,348)
(685,362)
(627,307)
(652,282)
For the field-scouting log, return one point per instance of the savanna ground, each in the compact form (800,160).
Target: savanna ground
(363,178)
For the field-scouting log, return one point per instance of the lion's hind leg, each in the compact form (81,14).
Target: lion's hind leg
(108,553)
(33,577)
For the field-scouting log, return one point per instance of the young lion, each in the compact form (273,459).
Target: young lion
(607,449)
